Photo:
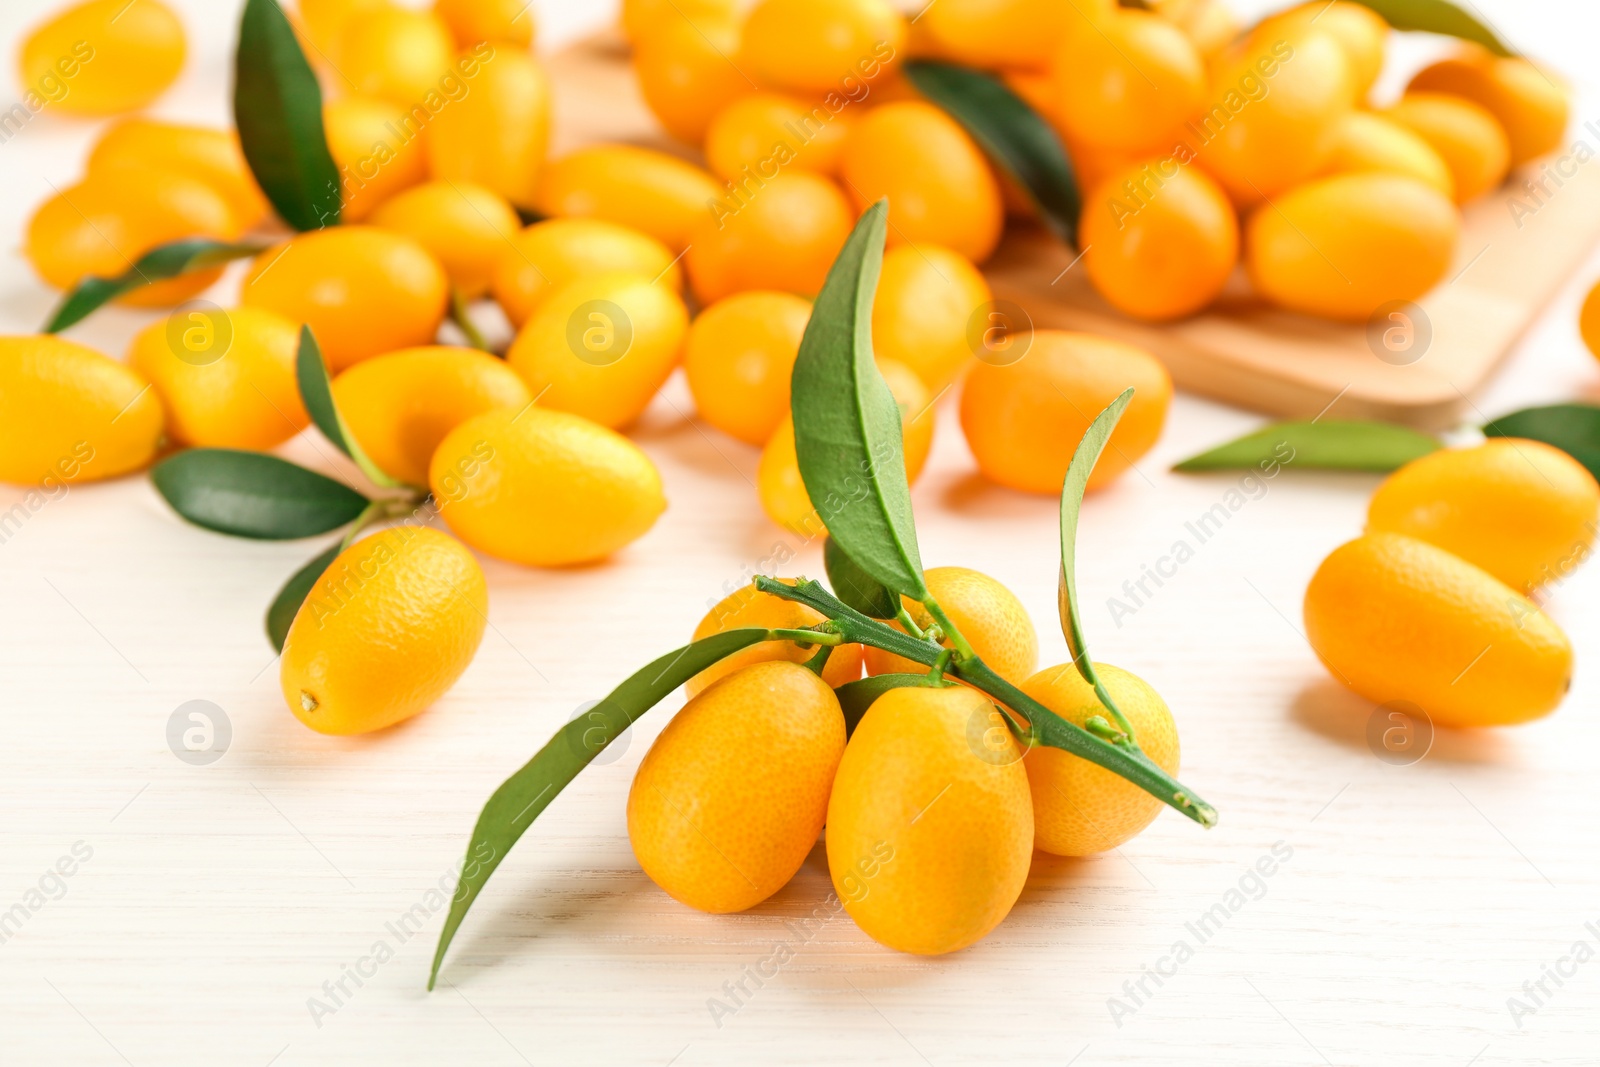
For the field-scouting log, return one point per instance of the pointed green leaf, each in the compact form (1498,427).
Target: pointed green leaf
(277,106)
(316,391)
(855,586)
(847,424)
(1439,16)
(1011,133)
(170,260)
(1573,428)
(857,696)
(527,793)
(1330,444)
(252,494)
(1072,490)
(294,592)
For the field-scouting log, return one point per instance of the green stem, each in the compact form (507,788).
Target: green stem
(819,661)
(463,321)
(1050,728)
(392,507)
(807,638)
(904,619)
(951,630)
(1057,732)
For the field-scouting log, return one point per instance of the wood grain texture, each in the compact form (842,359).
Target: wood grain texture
(218,899)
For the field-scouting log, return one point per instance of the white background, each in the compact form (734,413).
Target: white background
(218,899)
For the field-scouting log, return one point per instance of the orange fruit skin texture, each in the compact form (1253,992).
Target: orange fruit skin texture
(738,358)
(930,825)
(641,188)
(641,18)
(989,616)
(766,131)
(379,150)
(1466,136)
(213,156)
(1268,120)
(1532,106)
(1131,85)
(940,188)
(401,405)
(540,259)
(778,482)
(243,396)
(1397,619)
(102,226)
(749,606)
(544,488)
(1359,31)
(1001,34)
(1365,142)
(1521,510)
(1024,420)
(729,800)
(814,46)
(926,301)
(471,21)
(324,22)
(1210,24)
(687,74)
(362,290)
(1341,247)
(385,631)
(779,234)
(601,346)
(464,225)
(1589,322)
(1165,253)
(497,134)
(396,53)
(103,57)
(1080,808)
(70,414)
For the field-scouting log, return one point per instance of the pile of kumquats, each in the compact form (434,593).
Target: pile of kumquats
(808,250)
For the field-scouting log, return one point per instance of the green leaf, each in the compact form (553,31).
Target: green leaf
(316,391)
(1011,133)
(170,260)
(527,793)
(252,494)
(855,586)
(277,105)
(847,424)
(1331,444)
(294,592)
(1072,490)
(857,696)
(1438,16)
(1573,428)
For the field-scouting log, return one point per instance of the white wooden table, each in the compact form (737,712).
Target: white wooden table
(211,907)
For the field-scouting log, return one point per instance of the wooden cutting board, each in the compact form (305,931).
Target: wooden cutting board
(1515,254)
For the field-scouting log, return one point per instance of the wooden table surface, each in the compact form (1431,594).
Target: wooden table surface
(213,911)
